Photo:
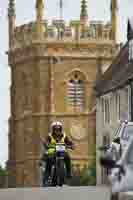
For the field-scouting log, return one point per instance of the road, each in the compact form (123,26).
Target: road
(65,193)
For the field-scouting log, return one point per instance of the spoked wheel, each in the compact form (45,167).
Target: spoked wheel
(60,173)
(54,178)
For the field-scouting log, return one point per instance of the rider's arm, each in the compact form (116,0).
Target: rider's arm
(46,141)
(69,142)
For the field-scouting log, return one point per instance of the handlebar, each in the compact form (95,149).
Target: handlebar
(67,146)
(70,147)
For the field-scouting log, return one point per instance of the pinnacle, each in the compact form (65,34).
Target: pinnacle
(83,8)
(11,8)
(114,5)
(39,3)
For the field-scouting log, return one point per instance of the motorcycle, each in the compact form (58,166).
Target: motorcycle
(58,170)
(59,167)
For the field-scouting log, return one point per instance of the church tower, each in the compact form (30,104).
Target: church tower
(53,72)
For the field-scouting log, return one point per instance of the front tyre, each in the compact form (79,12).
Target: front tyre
(60,172)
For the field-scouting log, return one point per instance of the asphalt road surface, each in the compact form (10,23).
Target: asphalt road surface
(64,193)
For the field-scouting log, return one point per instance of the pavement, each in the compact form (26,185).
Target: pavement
(64,193)
(126,195)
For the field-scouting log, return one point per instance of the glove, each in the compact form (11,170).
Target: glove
(40,163)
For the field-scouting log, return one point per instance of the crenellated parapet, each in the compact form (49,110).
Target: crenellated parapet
(59,30)
(81,30)
(24,35)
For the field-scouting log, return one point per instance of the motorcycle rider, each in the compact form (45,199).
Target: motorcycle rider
(57,135)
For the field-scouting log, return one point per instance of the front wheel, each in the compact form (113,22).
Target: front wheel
(60,172)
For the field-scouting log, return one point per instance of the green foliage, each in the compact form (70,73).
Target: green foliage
(3,177)
(3,171)
(87,176)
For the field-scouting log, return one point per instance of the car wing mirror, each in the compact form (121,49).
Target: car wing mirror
(117,140)
(103,148)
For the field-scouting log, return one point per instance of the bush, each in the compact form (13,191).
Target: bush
(3,177)
(84,177)
(88,176)
(3,172)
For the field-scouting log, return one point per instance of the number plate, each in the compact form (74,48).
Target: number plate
(60,148)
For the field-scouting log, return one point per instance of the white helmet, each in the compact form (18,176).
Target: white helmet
(56,124)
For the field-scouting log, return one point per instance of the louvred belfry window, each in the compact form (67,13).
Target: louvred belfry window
(76,92)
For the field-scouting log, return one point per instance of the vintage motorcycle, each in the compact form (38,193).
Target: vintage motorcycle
(58,170)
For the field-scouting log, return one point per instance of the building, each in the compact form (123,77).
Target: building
(53,70)
(114,92)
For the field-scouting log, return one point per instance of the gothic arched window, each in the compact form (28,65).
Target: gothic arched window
(76,92)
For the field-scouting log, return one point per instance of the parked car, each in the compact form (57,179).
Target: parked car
(121,139)
(121,176)
(124,133)
(120,169)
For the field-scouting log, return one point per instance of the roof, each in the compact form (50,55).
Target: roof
(130,29)
(131,22)
(117,75)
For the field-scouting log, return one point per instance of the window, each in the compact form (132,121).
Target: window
(111,104)
(102,114)
(127,105)
(117,106)
(107,111)
(76,92)
(106,140)
(130,52)
(102,105)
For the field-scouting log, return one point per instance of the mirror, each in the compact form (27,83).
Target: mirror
(117,140)
(103,148)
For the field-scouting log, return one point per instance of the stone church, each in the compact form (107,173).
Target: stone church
(54,67)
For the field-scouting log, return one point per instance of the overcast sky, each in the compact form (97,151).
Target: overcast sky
(97,10)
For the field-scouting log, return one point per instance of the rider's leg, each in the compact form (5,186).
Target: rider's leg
(68,164)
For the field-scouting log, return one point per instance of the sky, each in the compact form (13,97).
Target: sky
(25,12)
